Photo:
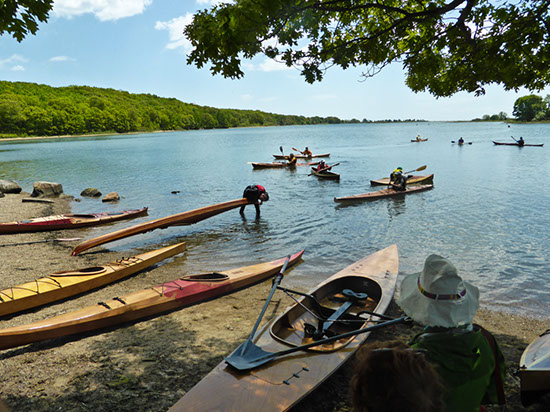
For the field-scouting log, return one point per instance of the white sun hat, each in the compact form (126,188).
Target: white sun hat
(437,296)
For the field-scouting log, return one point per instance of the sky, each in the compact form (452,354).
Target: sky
(138,46)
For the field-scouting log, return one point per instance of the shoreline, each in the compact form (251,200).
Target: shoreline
(149,364)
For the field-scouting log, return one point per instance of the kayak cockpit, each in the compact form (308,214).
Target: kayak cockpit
(206,277)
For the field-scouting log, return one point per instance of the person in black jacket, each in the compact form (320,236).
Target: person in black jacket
(256,195)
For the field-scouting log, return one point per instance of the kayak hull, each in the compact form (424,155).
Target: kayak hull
(68,221)
(534,370)
(182,292)
(327,174)
(61,285)
(380,194)
(301,156)
(412,180)
(279,165)
(419,140)
(185,218)
(281,383)
(516,144)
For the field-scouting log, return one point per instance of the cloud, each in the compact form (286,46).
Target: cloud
(175,29)
(213,2)
(270,65)
(104,10)
(61,59)
(13,61)
(18,68)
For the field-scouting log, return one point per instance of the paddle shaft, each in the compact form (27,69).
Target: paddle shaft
(416,170)
(42,241)
(514,139)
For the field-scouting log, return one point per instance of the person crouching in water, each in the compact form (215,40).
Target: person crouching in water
(256,195)
(398,180)
(466,356)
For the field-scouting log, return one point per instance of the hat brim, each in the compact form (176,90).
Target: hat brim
(431,312)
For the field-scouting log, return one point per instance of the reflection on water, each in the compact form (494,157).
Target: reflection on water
(484,215)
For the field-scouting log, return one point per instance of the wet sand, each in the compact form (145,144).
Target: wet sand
(149,365)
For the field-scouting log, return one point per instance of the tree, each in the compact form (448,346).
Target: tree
(445,46)
(526,108)
(21,17)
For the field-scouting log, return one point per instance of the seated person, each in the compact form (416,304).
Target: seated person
(307,152)
(390,376)
(461,141)
(521,142)
(398,180)
(292,160)
(323,166)
(466,356)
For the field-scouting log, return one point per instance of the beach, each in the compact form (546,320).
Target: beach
(149,365)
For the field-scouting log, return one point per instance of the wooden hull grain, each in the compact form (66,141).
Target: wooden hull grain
(534,369)
(281,383)
(325,174)
(515,144)
(412,180)
(68,221)
(182,292)
(380,194)
(61,285)
(301,156)
(185,218)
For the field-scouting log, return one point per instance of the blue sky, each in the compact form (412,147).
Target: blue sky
(138,46)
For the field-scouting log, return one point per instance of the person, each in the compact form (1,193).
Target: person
(398,180)
(466,356)
(292,160)
(461,141)
(256,195)
(307,152)
(521,142)
(392,377)
(323,166)
(418,138)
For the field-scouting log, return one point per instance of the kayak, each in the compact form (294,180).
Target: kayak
(379,194)
(325,174)
(278,165)
(534,369)
(60,285)
(419,140)
(516,144)
(185,218)
(185,291)
(412,180)
(68,221)
(285,380)
(301,156)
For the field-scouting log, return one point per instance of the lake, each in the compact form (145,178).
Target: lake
(488,212)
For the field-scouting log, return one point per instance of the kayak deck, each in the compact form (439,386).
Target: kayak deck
(301,156)
(412,180)
(384,193)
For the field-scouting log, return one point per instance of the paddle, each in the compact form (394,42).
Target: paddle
(281,149)
(416,170)
(257,356)
(325,168)
(42,241)
(514,139)
(241,350)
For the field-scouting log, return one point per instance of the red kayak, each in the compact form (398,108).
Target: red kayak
(68,221)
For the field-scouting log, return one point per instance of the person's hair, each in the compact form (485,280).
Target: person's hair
(391,377)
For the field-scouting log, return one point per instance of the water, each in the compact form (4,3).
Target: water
(488,212)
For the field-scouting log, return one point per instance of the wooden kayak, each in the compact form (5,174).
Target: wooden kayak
(516,144)
(534,369)
(185,218)
(60,285)
(379,194)
(68,221)
(325,174)
(412,180)
(279,165)
(419,140)
(185,291)
(281,383)
(301,156)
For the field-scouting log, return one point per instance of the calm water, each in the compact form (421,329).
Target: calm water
(488,213)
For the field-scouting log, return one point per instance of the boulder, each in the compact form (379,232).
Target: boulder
(111,197)
(9,186)
(46,189)
(90,192)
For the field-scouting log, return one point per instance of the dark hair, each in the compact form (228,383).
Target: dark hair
(391,377)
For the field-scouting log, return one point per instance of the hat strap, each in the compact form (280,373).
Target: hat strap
(434,296)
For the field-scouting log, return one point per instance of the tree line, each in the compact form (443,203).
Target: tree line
(30,109)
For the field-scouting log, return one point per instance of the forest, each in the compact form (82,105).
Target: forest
(30,109)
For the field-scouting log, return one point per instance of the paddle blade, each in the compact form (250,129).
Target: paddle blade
(249,356)
(421,168)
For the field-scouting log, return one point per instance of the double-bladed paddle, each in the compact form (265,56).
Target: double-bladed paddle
(417,170)
(43,241)
(256,356)
(325,168)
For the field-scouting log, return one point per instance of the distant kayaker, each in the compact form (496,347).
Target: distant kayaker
(256,195)
(390,376)
(307,152)
(398,180)
(418,138)
(521,142)
(461,141)
(465,355)
(292,160)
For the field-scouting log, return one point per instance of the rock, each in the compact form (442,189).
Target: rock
(46,189)
(2,194)
(111,197)
(90,192)
(9,186)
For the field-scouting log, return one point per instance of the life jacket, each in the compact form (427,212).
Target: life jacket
(253,193)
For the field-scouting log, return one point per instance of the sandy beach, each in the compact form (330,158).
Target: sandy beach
(149,365)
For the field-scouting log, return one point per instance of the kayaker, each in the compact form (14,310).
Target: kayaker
(418,138)
(461,141)
(256,195)
(323,166)
(398,180)
(292,160)
(390,376)
(465,355)
(521,142)
(307,152)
